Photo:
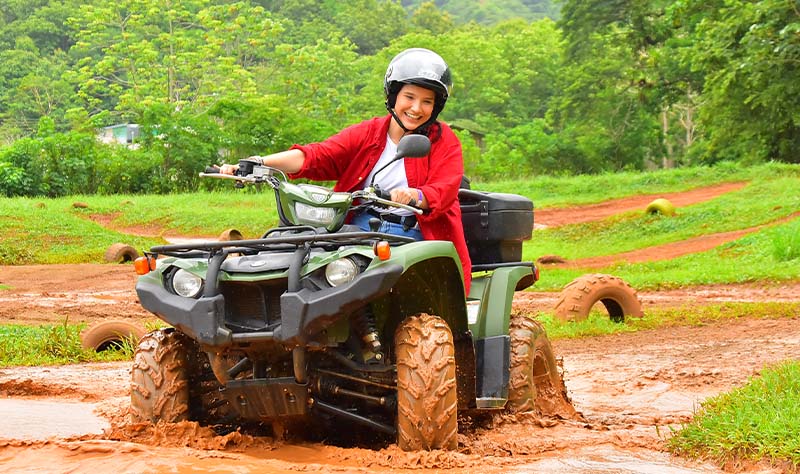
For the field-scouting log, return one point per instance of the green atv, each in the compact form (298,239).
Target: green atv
(318,322)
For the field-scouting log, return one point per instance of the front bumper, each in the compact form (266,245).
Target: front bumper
(304,313)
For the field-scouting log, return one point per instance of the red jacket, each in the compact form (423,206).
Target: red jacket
(350,155)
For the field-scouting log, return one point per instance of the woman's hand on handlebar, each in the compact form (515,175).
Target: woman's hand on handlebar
(228,169)
(409,196)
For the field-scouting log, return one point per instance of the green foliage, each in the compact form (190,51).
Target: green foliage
(50,164)
(760,420)
(614,85)
(786,242)
(750,53)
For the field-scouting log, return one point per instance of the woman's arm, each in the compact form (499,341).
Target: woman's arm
(289,161)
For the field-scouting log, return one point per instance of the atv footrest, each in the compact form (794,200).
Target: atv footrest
(257,399)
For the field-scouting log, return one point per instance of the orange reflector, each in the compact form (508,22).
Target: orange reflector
(382,250)
(143,265)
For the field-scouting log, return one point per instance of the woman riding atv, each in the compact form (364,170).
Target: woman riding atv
(416,86)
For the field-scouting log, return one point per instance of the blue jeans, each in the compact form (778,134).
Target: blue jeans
(362,221)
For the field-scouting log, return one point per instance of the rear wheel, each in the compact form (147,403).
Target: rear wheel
(160,377)
(426,384)
(536,383)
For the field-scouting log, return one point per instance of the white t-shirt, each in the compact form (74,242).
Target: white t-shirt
(391,177)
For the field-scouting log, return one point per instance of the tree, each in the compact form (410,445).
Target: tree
(371,24)
(137,54)
(749,54)
(428,17)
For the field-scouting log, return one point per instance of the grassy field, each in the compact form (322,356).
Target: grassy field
(56,231)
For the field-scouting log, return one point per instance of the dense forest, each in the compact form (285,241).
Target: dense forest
(541,87)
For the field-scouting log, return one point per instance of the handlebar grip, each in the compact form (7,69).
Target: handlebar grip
(211,170)
(383,194)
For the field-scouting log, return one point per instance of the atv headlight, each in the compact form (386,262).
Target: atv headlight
(341,271)
(186,284)
(314,215)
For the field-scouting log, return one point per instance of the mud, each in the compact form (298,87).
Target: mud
(631,390)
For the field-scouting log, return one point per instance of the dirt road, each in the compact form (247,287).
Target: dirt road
(630,389)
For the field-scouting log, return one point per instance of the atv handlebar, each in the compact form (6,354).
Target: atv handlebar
(252,172)
(384,198)
(249,172)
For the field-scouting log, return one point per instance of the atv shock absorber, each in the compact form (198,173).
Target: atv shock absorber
(363,322)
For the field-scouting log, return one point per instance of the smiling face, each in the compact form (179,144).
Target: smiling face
(414,105)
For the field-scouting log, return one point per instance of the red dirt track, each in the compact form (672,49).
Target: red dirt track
(630,388)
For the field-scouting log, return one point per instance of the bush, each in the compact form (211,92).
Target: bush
(786,242)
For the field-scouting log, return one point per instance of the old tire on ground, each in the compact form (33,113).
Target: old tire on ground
(230,234)
(660,206)
(160,377)
(536,382)
(121,253)
(578,297)
(109,334)
(426,384)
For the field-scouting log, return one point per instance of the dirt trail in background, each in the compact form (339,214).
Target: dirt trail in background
(671,250)
(593,212)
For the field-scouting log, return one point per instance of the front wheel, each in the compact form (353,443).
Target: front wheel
(426,384)
(160,377)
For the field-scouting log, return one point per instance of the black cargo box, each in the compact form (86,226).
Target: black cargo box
(495,225)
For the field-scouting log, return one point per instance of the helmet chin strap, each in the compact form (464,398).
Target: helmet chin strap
(397,119)
(421,130)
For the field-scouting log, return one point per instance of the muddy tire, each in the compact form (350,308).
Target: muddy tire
(207,405)
(578,297)
(660,206)
(160,377)
(426,384)
(230,234)
(121,253)
(536,383)
(108,334)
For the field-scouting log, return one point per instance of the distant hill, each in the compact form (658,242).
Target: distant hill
(488,12)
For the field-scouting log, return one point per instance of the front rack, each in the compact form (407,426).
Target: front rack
(283,242)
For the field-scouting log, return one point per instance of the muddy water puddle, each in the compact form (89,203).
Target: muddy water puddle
(30,420)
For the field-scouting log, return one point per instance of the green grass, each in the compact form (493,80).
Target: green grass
(599,324)
(567,191)
(46,231)
(51,344)
(53,231)
(759,203)
(751,258)
(760,420)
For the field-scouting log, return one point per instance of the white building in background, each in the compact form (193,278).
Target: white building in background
(125,134)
